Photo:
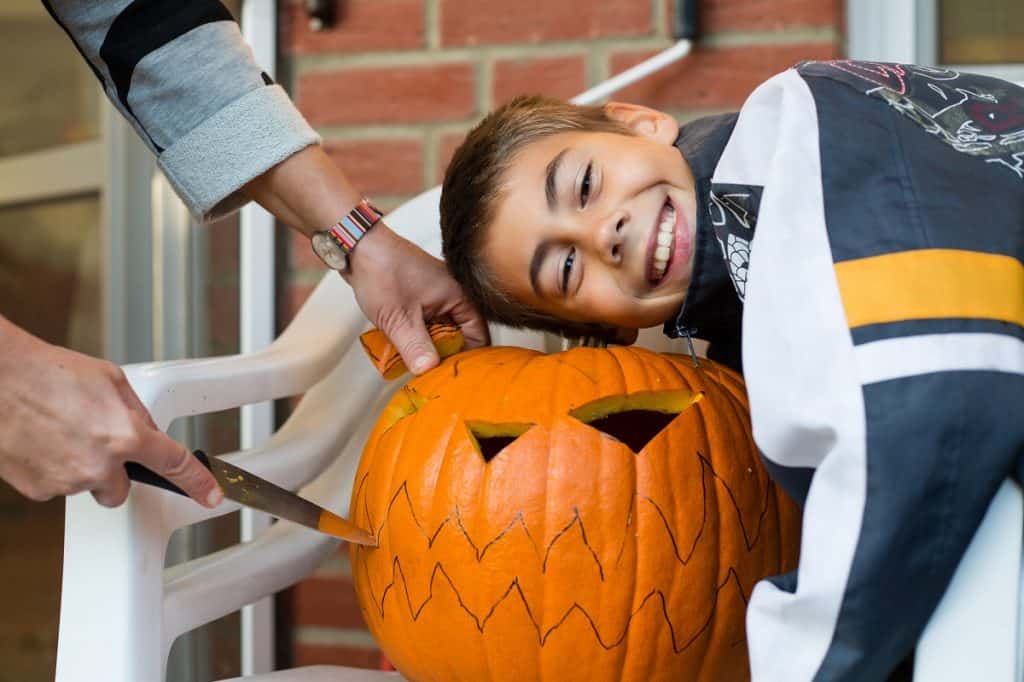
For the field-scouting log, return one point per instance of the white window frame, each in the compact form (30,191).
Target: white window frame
(115,167)
(256,319)
(906,31)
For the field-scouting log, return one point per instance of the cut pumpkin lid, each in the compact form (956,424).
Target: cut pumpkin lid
(446,337)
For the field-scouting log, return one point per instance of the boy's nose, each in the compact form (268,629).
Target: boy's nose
(611,237)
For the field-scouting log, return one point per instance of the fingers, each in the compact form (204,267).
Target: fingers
(474,327)
(410,337)
(113,491)
(132,401)
(162,455)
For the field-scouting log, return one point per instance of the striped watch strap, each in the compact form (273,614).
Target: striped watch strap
(351,228)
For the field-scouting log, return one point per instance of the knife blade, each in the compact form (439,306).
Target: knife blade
(258,493)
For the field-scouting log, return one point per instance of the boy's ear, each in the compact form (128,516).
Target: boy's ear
(645,121)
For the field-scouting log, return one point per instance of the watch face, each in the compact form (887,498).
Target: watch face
(329,251)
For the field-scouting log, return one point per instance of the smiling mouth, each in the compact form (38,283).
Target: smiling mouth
(663,240)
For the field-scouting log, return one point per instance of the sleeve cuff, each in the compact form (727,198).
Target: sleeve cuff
(209,165)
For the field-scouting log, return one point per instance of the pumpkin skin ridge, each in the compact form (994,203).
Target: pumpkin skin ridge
(706,468)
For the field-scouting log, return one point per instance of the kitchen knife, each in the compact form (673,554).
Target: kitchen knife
(252,491)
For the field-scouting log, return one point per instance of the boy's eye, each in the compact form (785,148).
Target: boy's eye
(570,258)
(585,186)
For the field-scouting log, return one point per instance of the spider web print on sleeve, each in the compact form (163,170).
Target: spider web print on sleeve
(733,210)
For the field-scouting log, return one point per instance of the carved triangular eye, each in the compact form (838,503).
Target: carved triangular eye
(637,418)
(491,439)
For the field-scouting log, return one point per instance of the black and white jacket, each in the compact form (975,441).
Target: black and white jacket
(181,73)
(863,225)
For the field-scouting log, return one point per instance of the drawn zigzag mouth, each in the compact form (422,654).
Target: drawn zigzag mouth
(401,500)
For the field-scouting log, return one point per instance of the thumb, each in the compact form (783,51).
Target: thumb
(412,340)
(165,456)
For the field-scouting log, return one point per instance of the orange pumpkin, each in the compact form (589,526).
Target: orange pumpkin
(596,514)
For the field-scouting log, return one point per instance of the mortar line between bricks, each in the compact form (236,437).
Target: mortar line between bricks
(602,66)
(659,18)
(309,63)
(793,35)
(405,132)
(432,25)
(484,84)
(431,143)
(400,132)
(328,636)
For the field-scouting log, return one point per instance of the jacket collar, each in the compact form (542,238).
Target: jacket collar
(711,310)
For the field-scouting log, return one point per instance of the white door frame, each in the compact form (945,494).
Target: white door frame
(256,318)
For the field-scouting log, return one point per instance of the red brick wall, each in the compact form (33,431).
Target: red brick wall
(395,84)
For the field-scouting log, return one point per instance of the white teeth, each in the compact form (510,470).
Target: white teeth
(664,238)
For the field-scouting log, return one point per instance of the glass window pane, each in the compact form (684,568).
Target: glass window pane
(981,31)
(50,96)
(50,279)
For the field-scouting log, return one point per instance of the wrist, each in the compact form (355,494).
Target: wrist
(336,245)
(378,246)
(306,191)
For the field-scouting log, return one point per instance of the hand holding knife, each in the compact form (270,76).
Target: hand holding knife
(252,491)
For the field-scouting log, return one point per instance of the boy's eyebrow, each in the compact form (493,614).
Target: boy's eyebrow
(538,260)
(549,179)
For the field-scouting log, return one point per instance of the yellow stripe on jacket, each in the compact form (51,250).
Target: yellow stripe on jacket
(932,283)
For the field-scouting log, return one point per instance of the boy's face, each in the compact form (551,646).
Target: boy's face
(598,227)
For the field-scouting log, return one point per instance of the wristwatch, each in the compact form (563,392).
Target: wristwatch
(334,244)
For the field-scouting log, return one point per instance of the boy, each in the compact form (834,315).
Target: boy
(881,306)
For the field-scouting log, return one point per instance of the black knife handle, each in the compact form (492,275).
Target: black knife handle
(141,474)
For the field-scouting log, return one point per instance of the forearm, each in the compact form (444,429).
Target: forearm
(307,191)
(197,97)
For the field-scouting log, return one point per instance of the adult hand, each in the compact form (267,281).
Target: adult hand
(69,422)
(400,287)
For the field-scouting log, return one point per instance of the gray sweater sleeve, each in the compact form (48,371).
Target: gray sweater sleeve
(185,79)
